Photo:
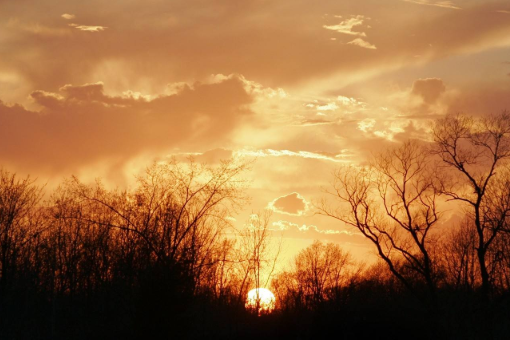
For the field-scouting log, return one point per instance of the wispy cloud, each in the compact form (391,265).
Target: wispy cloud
(286,225)
(351,102)
(327,107)
(503,11)
(341,102)
(314,122)
(366,124)
(288,153)
(346,26)
(362,43)
(89,28)
(443,4)
(68,16)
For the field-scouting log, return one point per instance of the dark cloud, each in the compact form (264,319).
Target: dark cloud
(292,204)
(80,124)
(411,131)
(428,89)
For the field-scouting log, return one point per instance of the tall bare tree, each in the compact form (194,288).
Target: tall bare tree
(393,204)
(474,151)
(256,258)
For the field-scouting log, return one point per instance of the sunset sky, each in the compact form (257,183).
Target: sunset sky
(104,88)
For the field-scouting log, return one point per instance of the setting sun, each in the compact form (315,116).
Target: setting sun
(261,299)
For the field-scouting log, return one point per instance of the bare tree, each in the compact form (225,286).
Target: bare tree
(458,257)
(473,151)
(256,259)
(178,211)
(320,270)
(319,273)
(220,277)
(399,182)
(18,222)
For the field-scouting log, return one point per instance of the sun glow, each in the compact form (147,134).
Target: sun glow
(260,300)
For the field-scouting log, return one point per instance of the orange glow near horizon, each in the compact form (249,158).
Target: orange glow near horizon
(104,93)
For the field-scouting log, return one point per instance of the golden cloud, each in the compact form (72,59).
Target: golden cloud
(443,4)
(362,43)
(291,204)
(346,26)
(88,28)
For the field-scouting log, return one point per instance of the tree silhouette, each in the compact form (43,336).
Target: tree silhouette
(20,227)
(319,272)
(474,151)
(393,204)
(258,263)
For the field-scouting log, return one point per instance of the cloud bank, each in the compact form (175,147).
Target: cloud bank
(81,124)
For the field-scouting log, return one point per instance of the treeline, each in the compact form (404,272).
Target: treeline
(456,271)
(158,261)
(162,260)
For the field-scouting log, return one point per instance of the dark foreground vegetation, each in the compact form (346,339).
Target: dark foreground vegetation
(161,261)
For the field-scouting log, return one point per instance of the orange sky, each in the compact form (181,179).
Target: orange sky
(97,88)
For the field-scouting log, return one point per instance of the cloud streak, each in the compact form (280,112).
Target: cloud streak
(89,28)
(310,231)
(339,158)
(362,43)
(346,26)
(443,4)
